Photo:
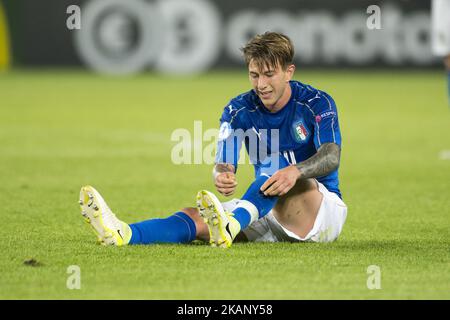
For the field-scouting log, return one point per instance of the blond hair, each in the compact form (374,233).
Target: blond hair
(268,50)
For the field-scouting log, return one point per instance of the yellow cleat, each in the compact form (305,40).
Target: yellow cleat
(222,226)
(108,229)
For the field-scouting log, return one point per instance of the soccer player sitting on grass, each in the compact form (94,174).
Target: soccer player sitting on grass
(295,195)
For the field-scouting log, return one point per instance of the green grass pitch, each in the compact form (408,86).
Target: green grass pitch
(60,130)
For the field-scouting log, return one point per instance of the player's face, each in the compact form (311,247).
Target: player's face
(271,84)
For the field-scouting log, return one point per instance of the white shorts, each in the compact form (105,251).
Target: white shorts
(327,227)
(440,27)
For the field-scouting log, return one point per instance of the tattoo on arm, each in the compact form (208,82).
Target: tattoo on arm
(322,163)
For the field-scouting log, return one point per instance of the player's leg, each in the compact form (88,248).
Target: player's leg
(298,209)
(309,212)
(258,231)
(223,225)
(291,219)
(201,227)
(181,227)
(296,212)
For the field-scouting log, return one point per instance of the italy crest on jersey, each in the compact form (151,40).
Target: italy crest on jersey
(300,131)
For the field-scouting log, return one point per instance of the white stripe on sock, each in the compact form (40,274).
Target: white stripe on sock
(250,207)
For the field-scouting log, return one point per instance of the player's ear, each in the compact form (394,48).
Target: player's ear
(290,72)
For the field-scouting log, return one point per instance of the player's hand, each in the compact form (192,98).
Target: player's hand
(281,181)
(226,183)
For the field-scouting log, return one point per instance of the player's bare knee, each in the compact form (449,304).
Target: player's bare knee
(195,216)
(200,225)
(192,213)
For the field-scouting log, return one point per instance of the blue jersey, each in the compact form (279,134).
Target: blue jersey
(307,121)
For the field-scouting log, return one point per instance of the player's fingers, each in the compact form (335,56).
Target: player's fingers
(270,188)
(281,191)
(268,182)
(225,185)
(227,175)
(230,175)
(225,180)
(275,192)
(228,194)
(225,190)
(273,189)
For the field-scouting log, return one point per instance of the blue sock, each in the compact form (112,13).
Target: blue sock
(258,204)
(258,200)
(178,228)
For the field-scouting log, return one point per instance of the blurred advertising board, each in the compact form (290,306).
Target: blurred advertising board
(191,36)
